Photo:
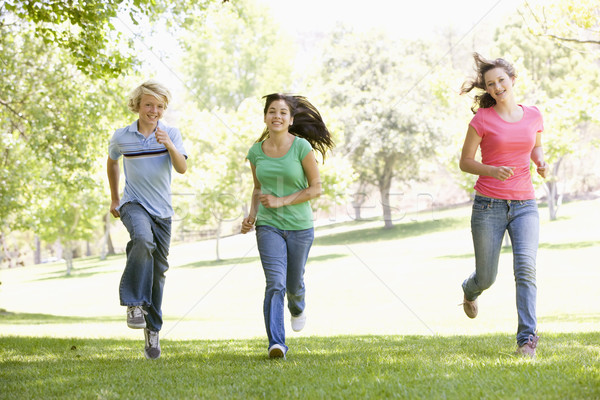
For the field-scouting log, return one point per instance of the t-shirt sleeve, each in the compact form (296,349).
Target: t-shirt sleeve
(477,122)
(113,148)
(251,155)
(540,120)
(304,148)
(177,140)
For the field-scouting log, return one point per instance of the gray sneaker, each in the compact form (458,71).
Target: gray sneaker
(152,347)
(135,317)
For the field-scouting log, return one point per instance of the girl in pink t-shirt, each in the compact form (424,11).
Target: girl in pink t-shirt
(509,136)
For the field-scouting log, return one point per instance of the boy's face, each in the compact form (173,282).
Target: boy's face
(151,109)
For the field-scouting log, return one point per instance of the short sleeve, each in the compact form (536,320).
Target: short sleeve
(177,140)
(251,156)
(540,120)
(478,122)
(113,148)
(304,148)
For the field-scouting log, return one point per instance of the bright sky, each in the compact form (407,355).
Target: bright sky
(402,18)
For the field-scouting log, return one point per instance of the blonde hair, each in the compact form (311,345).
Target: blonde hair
(152,88)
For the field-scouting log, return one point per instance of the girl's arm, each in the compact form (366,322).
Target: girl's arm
(468,163)
(311,170)
(537,156)
(249,221)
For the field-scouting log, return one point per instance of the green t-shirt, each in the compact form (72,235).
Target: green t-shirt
(281,177)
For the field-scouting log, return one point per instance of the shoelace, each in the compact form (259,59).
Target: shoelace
(152,339)
(532,341)
(133,310)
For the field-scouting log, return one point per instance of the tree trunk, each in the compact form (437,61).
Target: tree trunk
(384,189)
(358,199)
(107,245)
(37,255)
(5,252)
(218,238)
(68,255)
(552,192)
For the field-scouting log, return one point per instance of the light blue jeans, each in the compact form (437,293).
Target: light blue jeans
(143,279)
(490,219)
(283,255)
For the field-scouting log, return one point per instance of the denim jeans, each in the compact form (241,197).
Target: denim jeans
(283,255)
(143,279)
(489,220)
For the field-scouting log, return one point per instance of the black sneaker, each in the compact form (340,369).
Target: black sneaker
(135,317)
(152,348)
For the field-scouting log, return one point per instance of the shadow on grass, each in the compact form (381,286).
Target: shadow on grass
(10,318)
(248,260)
(547,246)
(85,268)
(398,231)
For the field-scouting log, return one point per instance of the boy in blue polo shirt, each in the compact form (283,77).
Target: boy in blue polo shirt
(149,149)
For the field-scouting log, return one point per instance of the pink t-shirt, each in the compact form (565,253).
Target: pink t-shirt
(507,144)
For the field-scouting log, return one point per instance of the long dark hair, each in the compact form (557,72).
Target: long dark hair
(483,65)
(308,123)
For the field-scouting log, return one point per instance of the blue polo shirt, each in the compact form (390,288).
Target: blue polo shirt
(147,166)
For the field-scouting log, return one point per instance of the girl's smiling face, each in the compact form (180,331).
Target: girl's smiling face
(278,117)
(498,84)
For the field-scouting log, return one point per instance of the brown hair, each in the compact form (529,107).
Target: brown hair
(308,123)
(483,65)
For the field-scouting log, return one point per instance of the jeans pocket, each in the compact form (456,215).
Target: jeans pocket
(481,203)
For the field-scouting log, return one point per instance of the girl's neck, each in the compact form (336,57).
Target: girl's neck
(280,138)
(507,106)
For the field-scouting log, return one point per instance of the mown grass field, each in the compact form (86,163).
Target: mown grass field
(384,320)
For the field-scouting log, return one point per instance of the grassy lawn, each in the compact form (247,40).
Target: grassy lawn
(383,320)
(341,367)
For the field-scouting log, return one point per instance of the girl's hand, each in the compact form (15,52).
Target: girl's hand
(248,224)
(542,169)
(270,201)
(503,173)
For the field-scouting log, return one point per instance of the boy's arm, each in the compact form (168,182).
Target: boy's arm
(112,170)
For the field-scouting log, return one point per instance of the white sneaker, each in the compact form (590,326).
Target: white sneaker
(298,322)
(277,351)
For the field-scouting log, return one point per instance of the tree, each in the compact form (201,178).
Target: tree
(378,86)
(237,52)
(565,21)
(550,77)
(54,131)
(86,30)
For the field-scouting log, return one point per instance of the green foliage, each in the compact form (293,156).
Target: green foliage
(339,367)
(237,52)
(564,21)
(53,121)
(387,106)
(86,30)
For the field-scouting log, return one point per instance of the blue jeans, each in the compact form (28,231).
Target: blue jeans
(489,220)
(283,255)
(143,279)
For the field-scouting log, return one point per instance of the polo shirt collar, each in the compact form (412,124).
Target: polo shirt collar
(134,127)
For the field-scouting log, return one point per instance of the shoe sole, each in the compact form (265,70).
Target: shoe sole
(276,353)
(136,326)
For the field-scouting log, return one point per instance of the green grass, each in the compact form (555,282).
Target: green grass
(339,367)
(384,321)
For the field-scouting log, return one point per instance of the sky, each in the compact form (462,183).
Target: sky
(400,18)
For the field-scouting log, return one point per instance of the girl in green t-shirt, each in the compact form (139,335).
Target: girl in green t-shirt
(286,178)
